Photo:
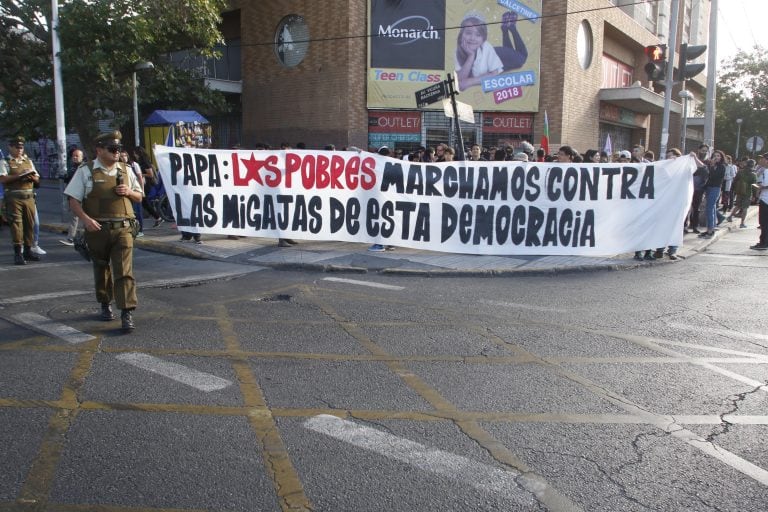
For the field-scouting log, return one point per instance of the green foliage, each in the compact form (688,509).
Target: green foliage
(742,93)
(100,44)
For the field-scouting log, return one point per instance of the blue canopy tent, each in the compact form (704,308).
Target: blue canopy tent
(165,117)
(176,128)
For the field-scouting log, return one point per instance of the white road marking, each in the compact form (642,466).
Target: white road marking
(723,332)
(43,296)
(191,377)
(457,468)
(157,283)
(363,283)
(55,329)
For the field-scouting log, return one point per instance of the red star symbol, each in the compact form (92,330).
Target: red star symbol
(253,166)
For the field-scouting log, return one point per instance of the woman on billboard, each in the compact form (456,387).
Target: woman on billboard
(476,59)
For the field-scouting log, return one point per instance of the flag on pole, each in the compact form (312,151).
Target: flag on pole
(608,148)
(169,140)
(545,135)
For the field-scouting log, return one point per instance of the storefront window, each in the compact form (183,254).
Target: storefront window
(506,129)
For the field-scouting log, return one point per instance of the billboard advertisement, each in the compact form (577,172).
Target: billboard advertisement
(492,46)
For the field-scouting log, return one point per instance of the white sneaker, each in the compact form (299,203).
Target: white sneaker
(68,242)
(37,250)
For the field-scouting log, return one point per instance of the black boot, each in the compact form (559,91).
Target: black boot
(29,255)
(18,259)
(106,312)
(127,318)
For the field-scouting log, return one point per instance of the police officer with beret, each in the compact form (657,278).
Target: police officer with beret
(100,194)
(19,176)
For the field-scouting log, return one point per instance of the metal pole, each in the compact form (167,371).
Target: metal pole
(58,97)
(709,110)
(668,83)
(738,137)
(453,93)
(135,109)
(684,135)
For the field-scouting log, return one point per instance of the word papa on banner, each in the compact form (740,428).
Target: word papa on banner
(499,208)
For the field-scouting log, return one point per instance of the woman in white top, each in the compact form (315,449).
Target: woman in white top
(730,173)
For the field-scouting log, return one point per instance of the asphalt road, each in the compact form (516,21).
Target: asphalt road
(251,389)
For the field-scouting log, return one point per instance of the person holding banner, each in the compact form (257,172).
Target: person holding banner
(699,179)
(565,154)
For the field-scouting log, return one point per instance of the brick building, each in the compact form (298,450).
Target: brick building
(305,77)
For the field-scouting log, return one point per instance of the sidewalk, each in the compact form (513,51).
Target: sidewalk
(355,257)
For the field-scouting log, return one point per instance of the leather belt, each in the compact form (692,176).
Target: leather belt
(20,194)
(114,224)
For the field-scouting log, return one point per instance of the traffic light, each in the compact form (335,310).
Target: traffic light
(689,53)
(657,62)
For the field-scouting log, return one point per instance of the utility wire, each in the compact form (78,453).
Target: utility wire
(444,29)
(728,29)
(749,24)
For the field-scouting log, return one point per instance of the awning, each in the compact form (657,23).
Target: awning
(166,117)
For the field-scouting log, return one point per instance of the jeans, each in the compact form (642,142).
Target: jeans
(763,218)
(713,194)
(693,223)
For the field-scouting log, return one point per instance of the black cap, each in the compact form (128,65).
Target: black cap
(109,139)
(17,141)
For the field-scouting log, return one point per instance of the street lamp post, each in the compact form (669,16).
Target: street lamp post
(138,67)
(738,136)
(684,135)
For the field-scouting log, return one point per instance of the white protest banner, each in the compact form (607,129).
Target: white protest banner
(500,208)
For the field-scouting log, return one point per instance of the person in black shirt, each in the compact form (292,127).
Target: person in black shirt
(712,187)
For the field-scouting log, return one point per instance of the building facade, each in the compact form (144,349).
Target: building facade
(310,70)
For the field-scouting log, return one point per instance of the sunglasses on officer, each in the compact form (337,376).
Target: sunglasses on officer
(113,148)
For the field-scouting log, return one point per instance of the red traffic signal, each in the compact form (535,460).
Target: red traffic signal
(656,53)
(657,62)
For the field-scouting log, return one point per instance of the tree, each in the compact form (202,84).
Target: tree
(742,93)
(100,44)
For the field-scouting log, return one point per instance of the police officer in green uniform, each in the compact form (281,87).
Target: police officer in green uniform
(100,194)
(19,176)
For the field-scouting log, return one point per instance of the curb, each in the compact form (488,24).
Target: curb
(188,252)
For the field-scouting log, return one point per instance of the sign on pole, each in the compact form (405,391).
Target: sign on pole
(754,144)
(465,111)
(431,94)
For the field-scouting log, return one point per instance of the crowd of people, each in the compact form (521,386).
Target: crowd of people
(719,180)
(523,152)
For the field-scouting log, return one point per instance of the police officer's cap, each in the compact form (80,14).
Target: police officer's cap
(17,141)
(107,139)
